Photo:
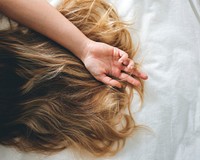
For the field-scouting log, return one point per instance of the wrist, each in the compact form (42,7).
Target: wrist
(84,52)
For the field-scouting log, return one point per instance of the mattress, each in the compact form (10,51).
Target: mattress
(168,33)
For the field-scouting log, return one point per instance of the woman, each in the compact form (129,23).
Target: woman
(49,101)
(43,18)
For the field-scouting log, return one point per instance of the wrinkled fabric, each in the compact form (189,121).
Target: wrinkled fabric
(169,39)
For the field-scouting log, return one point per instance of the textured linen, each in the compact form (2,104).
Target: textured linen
(169,33)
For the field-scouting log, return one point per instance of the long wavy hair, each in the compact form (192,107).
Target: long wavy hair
(48,99)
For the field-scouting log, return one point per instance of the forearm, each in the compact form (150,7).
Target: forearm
(40,16)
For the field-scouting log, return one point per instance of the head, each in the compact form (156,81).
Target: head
(48,99)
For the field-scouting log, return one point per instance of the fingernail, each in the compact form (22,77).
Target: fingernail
(119,86)
(125,63)
(145,76)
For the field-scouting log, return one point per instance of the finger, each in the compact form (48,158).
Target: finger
(109,81)
(116,53)
(144,76)
(123,57)
(130,67)
(139,74)
(133,71)
(125,62)
(131,64)
(129,79)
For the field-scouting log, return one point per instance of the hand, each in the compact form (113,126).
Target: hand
(103,61)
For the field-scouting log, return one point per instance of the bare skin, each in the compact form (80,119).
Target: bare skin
(101,60)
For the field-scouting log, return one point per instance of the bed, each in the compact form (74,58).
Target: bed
(169,35)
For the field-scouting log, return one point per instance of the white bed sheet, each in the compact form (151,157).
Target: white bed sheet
(169,32)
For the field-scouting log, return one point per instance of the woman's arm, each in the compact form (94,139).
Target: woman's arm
(40,16)
(45,19)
